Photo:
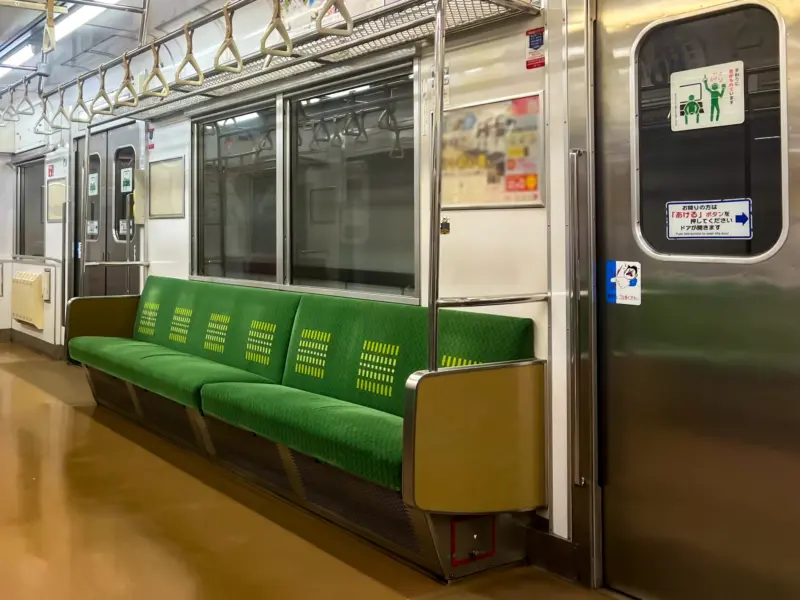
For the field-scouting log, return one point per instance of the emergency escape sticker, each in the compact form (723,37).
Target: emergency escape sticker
(624,282)
(714,219)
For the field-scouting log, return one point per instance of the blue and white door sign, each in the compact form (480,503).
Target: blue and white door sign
(624,282)
(710,220)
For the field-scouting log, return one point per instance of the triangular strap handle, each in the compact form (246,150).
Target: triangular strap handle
(10,113)
(25,106)
(39,128)
(345,31)
(75,116)
(155,73)
(61,112)
(229,44)
(102,95)
(189,60)
(126,86)
(49,35)
(276,25)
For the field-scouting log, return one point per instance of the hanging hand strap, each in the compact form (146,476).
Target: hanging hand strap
(25,106)
(102,95)
(10,113)
(189,60)
(228,44)
(155,73)
(61,112)
(74,116)
(342,8)
(39,128)
(49,36)
(127,85)
(276,25)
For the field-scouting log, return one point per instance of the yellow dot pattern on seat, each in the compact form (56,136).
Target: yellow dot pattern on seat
(217,332)
(312,353)
(377,368)
(259,342)
(456,361)
(181,321)
(147,322)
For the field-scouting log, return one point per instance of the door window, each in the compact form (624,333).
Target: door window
(124,166)
(711,137)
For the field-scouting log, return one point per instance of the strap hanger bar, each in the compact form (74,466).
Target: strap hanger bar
(102,95)
(61,112)
(229,44)
(276,25)
(49,35)
(342,8)
(189,59)
(74,116)
(126,85)
(25,106)
(155,73)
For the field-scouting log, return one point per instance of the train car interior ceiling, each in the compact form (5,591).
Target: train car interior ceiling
(488,287)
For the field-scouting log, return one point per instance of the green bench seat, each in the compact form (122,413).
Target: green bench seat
(324,376)
(164,371)
(361,440)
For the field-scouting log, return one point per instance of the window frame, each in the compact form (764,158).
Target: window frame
(283,172)
(638,235)
(19,217)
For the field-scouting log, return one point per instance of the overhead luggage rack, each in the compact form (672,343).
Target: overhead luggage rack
(391,27)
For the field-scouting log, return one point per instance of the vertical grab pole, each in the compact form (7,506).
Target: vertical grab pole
(84,209)
(436,184)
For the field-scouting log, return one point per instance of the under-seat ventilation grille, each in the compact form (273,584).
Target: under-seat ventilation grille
(372,507)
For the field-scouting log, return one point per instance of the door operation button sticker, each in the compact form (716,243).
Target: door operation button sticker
(624,282)
(712,219)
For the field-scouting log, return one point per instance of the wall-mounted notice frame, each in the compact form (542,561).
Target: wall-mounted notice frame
(167,187)
(492,154)
(56,196)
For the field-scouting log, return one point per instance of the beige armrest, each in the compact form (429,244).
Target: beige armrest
(474,439)
(112,316)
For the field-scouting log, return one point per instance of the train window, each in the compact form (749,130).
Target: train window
(238,197)
(31,209)
(93,220)
(352,202)
(123,213)
(711,143)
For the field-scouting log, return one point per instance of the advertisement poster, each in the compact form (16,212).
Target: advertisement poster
(492,154)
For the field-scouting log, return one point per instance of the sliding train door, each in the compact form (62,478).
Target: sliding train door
(110,233)
(698,296)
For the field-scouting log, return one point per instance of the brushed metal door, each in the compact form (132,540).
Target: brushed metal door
(698,400)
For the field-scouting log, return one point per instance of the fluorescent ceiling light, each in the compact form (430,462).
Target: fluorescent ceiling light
(347,92)
(74,20)
(20,56)
(248,117)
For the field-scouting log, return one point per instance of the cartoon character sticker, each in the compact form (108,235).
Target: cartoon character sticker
(624,283)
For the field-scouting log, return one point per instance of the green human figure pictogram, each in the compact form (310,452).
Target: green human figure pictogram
(716,93)
(692,107)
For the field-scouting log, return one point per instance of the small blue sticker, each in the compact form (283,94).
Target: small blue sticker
(624,282)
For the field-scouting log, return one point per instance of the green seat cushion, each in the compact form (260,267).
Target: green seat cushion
(364,351)
(242,327)
(164,371)
(363,441)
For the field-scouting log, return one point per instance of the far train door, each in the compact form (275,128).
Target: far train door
(110,234)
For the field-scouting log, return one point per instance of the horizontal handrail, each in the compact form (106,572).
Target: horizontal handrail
(492,300)
(32,260)
(119,263)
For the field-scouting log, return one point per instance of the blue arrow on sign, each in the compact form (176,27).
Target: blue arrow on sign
(742,219)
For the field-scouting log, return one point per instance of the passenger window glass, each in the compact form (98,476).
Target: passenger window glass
(124,167)
(237,201)
(353,189)
(710,135)
(93,224)
(32,215)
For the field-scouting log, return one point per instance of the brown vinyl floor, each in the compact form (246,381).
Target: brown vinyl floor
(92,507)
